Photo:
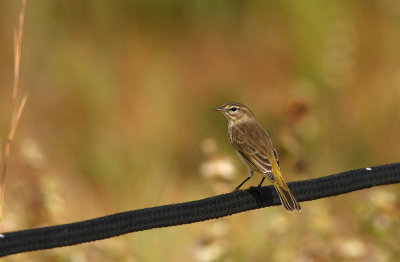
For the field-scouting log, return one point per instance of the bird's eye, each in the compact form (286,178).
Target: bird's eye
(233,109)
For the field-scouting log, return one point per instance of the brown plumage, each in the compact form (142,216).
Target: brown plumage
(255,148)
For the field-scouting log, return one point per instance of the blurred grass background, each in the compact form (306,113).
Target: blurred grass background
(119,118)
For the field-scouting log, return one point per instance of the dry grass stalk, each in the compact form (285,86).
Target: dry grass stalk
(18,107)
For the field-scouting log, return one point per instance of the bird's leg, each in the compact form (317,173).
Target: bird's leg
(262,180)
(241,184)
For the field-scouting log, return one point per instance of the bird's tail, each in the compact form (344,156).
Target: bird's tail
(287,198)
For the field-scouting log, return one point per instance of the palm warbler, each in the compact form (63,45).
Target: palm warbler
(255,148)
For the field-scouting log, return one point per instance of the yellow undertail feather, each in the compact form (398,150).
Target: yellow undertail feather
(287,199)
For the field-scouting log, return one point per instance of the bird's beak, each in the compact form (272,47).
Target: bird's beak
(218,109)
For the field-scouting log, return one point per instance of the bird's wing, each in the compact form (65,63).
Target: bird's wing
(255,147)
(276,158)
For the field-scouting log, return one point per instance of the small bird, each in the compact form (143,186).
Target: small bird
(255,148)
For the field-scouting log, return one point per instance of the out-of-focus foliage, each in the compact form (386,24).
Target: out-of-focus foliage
(119,117)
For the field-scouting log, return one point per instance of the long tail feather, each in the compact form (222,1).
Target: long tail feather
(287,198)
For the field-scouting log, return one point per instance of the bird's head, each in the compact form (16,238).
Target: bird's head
(235,112)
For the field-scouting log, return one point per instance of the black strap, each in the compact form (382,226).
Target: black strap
(194,211)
